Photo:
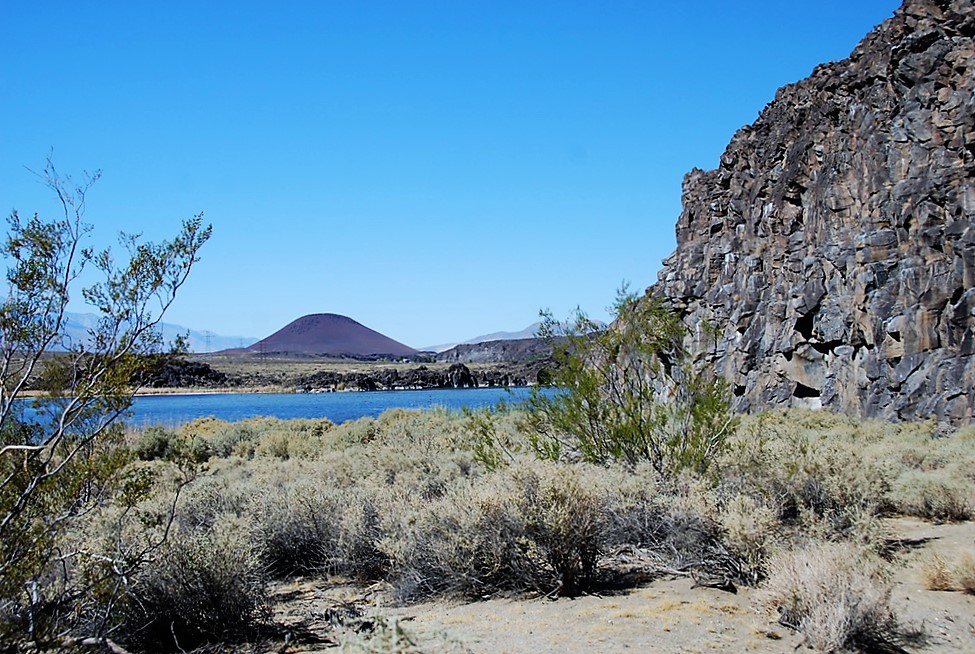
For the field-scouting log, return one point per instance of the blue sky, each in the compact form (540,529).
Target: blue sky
(434,170)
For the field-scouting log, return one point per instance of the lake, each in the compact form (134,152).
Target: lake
(171,410)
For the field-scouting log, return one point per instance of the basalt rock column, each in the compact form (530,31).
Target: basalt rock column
(830,259)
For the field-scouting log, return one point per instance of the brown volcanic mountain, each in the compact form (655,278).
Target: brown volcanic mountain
(329,334)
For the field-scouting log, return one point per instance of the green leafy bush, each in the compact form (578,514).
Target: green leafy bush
(629,392)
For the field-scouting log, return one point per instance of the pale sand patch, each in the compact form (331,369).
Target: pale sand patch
(668,616)
(947,617)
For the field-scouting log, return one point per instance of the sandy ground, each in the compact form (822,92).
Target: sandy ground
(666,615)
(947,618)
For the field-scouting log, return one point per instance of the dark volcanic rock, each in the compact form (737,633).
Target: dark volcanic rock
(456,376)
(833,250)
(522,350)
(180,373)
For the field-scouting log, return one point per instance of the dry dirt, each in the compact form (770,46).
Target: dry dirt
(670,614)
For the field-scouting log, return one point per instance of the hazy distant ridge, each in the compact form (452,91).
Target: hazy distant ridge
(78,324)
(531,331)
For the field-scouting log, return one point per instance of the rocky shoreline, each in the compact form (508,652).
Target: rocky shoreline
(199,376)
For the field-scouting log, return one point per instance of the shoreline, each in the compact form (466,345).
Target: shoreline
(283,391)
(275,390)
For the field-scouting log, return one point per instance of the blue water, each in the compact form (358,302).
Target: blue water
(171,410)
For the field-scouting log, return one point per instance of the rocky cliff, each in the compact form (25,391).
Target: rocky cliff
(522,350)
(830,259)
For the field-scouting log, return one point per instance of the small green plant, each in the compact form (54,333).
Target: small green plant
(629,392)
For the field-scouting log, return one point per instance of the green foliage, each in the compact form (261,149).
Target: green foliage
(629,392)
(492,446)
(60,457)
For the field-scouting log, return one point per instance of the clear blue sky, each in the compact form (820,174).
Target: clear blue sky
(434,170)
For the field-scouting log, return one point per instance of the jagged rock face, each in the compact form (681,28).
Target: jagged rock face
(511,350)
(830,259)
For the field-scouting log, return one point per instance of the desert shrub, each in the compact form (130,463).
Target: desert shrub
(837,595)
(751,532)
(203,428)
(635,509)
(238,438)
(964,572)
(525,527)
(566,521)
(932,495)
(286,439)
(436,430)
(281,444)
(305,516)
(204,588)
(108,540)
(206,438)
(357,552)
(936,572)
(629,392)
(213,497)
(797,463)
(354,432)
(494,437)
(155,442)
(297,529)
(467,542)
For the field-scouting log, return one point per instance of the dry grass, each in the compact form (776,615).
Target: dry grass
(964,572)
(936,573)
(837,595)
(957,574)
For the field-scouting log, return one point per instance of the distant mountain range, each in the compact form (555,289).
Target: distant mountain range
(531,331)
(78,324)
(328,334)
(315,334)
